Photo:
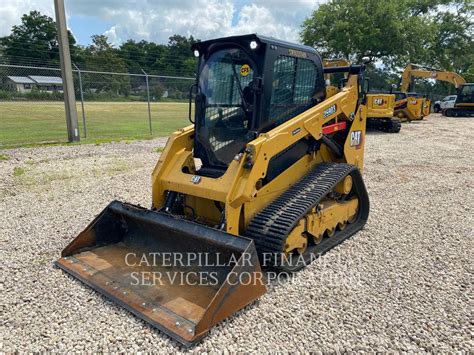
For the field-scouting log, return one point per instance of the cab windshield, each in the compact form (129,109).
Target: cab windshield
(224,83)
(400,96)
(466,94)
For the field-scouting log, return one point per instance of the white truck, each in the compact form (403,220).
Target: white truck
(447,102)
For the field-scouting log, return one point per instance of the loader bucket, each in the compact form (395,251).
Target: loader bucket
(179,276)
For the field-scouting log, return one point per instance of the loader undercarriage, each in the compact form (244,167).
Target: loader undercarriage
(389,125)
(306,209)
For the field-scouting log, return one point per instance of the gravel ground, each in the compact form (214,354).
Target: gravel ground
(404,283)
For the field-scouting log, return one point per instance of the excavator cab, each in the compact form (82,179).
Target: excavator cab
(464,104)
(465,94)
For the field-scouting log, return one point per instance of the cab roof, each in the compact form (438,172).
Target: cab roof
(246,39)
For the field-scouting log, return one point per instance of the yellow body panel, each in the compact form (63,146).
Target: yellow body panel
(239,189)
(331,91)
(426,106)
(380,105)
(269,192)
(332,214)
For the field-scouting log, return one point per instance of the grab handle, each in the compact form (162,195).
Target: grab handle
(190,101)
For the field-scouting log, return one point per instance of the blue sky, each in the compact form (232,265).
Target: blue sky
(86,26)
(156,20)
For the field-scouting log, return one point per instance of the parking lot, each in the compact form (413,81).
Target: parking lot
(404,283)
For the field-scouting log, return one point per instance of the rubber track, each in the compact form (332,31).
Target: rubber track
(272,225)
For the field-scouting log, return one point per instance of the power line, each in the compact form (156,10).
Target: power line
(119,51)
(98,72)
(26,61)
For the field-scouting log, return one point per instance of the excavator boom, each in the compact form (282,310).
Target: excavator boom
(417,71)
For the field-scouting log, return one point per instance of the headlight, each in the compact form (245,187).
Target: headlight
(253,45)
(196,53)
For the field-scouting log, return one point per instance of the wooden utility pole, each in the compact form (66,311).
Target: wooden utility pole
(66,70)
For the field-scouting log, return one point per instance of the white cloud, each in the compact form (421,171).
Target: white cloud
(204,19)
(12,10)
(265,25)
(156,20)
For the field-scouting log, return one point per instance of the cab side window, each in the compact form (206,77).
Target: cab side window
(293,87)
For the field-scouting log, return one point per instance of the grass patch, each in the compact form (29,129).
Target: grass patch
(39,123)
(17,171)
(3,157)
(159,149)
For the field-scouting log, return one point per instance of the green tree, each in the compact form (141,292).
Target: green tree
(102,56)
(394,32)
(179,48)
(355,28)
(141,55)
(380,79)
(454,47)
(34,41)
(173,58)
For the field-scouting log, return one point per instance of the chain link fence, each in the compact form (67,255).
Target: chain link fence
(110,105)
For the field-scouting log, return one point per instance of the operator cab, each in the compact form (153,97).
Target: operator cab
(465,95)
(247,85)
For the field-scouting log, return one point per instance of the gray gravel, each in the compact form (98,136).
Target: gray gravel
(404,283)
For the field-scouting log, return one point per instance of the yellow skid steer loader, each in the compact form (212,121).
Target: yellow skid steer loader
(267,175)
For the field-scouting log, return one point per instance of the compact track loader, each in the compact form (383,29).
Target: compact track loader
(381,112)
(268,175)
(410,106)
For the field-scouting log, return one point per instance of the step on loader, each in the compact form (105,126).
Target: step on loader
(267,175)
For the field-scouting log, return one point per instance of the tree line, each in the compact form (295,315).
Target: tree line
(392,33)
(33,42)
